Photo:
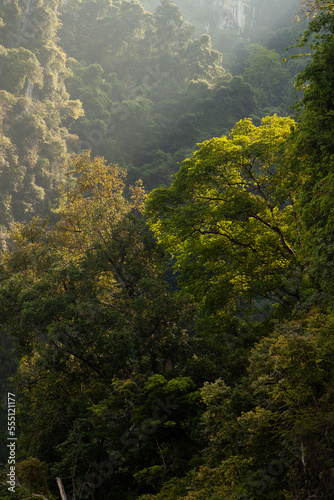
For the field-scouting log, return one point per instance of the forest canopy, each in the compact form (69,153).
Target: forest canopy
(166,275)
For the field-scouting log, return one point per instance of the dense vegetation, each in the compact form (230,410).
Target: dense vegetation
(165,338)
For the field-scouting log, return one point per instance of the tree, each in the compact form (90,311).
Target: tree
(228,218)
(99,334)
(270,435)
(264,68)
(291,372)
(171,31)
(311,8)
(34,108)
(314,139)
(18,65)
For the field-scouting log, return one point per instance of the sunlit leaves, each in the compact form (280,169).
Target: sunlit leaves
(314,139)
(311,8)
(228,216)
(96,202)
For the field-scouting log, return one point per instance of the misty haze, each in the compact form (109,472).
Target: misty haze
(166,249)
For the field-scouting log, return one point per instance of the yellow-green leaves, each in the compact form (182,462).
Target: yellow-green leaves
(311,8)
(96,202)
(228,216)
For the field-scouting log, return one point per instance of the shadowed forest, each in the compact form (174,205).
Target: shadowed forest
(166,250)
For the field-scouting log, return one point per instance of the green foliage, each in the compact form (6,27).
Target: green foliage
(315,171)
(264,69)
(18,65)
(218,386)
(223,218)
(34,107)
(101,338)
(293,370)
(159,92)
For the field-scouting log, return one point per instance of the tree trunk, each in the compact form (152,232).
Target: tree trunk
(61,489)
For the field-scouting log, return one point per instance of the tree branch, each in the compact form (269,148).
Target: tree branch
(61,489)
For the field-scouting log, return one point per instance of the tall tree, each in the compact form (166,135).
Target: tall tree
(100,336)
(34,108)
(228,218)
(315,140)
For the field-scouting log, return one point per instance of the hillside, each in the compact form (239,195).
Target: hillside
(166,256)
